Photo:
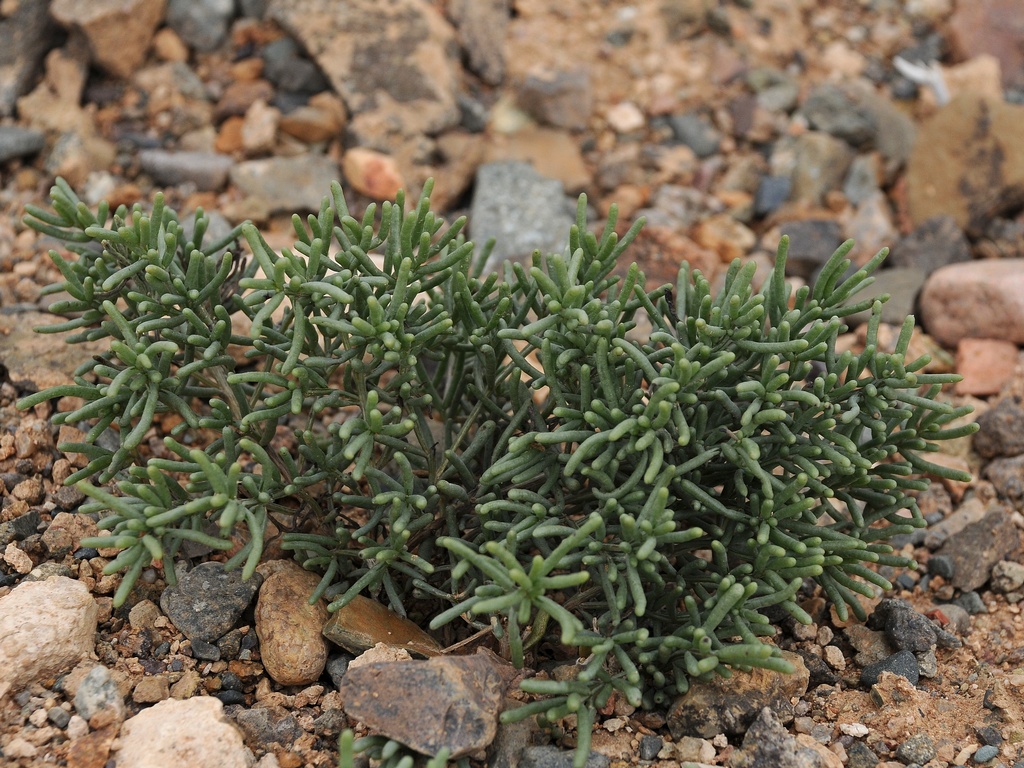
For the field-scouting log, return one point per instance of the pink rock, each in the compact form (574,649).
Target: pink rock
(372,173)
(990,26)
(46,627)
(985,364)
(978,299)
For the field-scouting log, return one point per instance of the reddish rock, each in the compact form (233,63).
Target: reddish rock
(240,95)
(292,647)
(320,120)
(372,173)
(93,750)
(978,299)
(990,26)
(259,128)
(985,364)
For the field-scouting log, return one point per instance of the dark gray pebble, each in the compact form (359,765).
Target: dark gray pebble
(205,651)
(989,735)
(941,565)
(231,697)
(903,663)
(971,602)
(59,717)
(917,749)
(553,757)
(861,756)
(650,746)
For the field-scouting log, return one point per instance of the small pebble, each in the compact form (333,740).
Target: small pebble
(650,746)
(985,753)
(231,697)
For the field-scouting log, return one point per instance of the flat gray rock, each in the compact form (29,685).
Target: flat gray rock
(208,601)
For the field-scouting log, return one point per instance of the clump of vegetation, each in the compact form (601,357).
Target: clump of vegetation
(627,473)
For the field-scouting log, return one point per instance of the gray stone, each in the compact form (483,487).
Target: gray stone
(835,110)
(553,757)
(337,666)
(907,629)
(979,546)
(19,142)
(562,98)
(207,170)
(861,180)
(811,243)
(650,746)
(959,620)
(697,132)
(767,744)
(98,693)
(522,210)
(941,565)
(1001,430)
(26,32)
(971,602)
(771,193)
(917,749)
(446,702)
(208,601)
(285,65)
(202,24)
(821,165)
(729,706)
(253,9)
(985,753)
(903,663)
(861,756)
(512,739)
(936,243)
(482,25)
(1007,475)
(286,183)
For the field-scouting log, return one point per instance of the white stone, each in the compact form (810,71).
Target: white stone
(857,730)
(46,627)
(625,117)
(193,732)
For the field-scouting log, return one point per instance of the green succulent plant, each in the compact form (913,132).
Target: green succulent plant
(630,474)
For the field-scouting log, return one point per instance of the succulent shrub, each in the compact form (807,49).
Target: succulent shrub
(629,474)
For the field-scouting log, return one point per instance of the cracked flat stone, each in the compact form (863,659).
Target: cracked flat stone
(449,701)
(208,601)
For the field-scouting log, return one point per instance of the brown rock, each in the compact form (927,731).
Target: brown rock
(560,98)
(482,25)
(660,250)
(968,161)
(312,124)
(449,701)
(993,27)
(979,76)
(363,623)
(289,628)
(93,750)
(118,31)
(229,137)
(553,152)
(168,46)
(979,299)
(150,690)
(240,95)
(729,706)
(985,364)
(372,173)
(726,236)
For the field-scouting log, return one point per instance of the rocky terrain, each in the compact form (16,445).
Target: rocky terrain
(726,123)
